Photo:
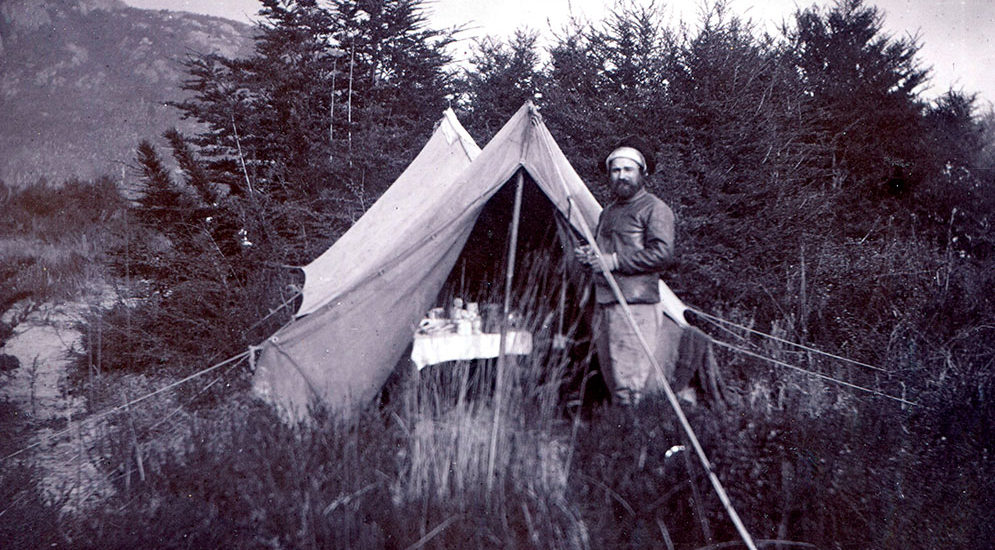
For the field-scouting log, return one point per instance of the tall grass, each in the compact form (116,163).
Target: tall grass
(448,417)
(802,460)
(415,469)
(42,271)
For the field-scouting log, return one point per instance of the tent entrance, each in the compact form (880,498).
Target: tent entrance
(549,292)
(480,271)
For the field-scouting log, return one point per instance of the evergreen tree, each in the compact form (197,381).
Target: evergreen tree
(866,86)
(309,130)
(960,196)
(503,76)
(391,87)
(610,80)
(739,173)
(267,116)
(195,174)
(162,204)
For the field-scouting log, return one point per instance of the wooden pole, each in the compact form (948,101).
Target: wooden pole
(127,265)
(238,144)
(502,342)
(671,396)
(134,437)
(348,111)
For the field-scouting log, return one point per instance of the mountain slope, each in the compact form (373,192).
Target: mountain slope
(81,81)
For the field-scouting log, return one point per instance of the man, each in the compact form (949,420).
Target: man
(636,236)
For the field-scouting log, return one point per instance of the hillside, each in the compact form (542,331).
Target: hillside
(81,81)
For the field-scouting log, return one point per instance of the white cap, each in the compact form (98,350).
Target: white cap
(630,153)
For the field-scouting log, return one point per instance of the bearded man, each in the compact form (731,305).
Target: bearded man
(635,235)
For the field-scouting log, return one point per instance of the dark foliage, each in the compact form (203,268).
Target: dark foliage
(820,197)
(29,521)
(504,76)
(323,110)
(865,86)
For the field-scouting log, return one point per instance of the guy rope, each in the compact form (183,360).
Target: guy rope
(127,405)
(717,320)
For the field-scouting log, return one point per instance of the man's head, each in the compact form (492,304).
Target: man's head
(627,169)
(625,177)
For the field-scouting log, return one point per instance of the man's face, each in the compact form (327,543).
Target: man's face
(625,177)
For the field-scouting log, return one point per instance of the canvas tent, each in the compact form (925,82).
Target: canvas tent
(363,297)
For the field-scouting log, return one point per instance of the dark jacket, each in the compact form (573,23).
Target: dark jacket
(640,232)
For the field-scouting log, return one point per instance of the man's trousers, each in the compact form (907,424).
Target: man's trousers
(627,370)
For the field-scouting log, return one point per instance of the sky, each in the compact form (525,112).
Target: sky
(957,36)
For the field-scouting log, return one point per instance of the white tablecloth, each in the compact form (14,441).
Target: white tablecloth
(429,349)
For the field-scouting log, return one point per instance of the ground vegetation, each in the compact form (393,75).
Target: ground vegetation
(822,198)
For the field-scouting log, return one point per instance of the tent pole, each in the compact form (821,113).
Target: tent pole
(502,345)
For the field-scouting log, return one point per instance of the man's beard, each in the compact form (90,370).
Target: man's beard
(625,190)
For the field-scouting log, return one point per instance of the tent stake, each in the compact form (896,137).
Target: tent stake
(508,280)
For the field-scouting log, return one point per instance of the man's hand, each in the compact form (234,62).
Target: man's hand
(586,255)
